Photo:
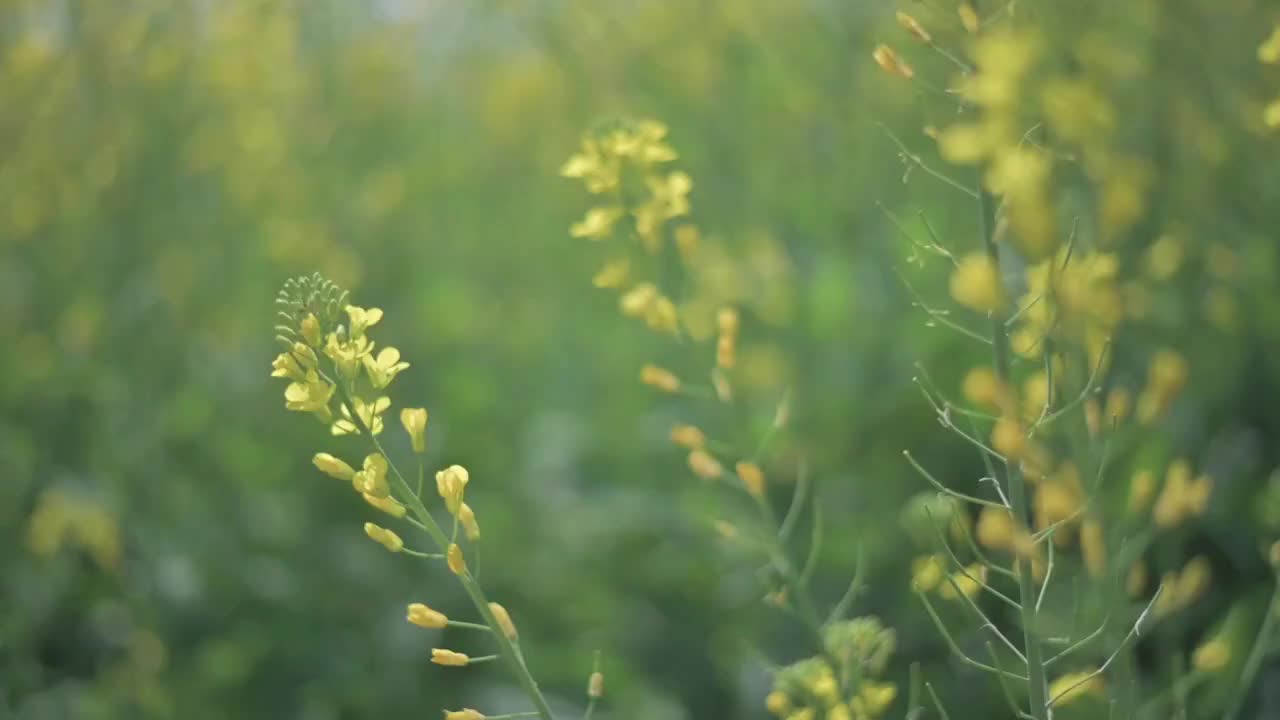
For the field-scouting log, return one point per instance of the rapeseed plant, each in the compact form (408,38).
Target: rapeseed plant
(643,216)
(1046,416)
(335,376)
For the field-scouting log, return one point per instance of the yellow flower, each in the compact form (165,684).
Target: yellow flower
(637,301)
(333,467)
(423,616)
(369,413)
(752,478)
(668,198)
(362,319)
(662,316)
(969,18)
(965,143)
(1192,582)
(597,224)
(454,559)
(1141,489)
(387,504)
(688,436)
(983,388)
(467,519)
(659,378)
(1271,114)
(704,465)
(1093,548)
(372,478)
(613,274)
(463,714)
(595,685)
(1211,656)
(877,696)
(310,327)
(975,283)
(969,581)
(384,537)
(913,26)
(384,368)
(312,395)
(1181,498)
(1072,686)
(347,355)
(889,61)
(451,483)
(840,711)
(726,352)
(926,573)
(777,703)
(414,421)
(503,618)
(1269,50)
(995,528)
(441,656)
(286,365)
(1009,438)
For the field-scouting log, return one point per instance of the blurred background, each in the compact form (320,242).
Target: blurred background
(166,548)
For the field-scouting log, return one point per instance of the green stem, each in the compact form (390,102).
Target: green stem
(508,650)
(1261,646)
(1037,685)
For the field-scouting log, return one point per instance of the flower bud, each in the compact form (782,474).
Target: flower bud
(415,423)
(333,467)
(1211,656)
(503,618)
(387,504)
(384,537)
(913,26)
(688,436)
(659,378)
(311,330)
(595,685)
(451,484)
(423,616)
(704,465)
(441,656)
(752,478)
(463,714)
(467,518)
(457,563)
(889,61)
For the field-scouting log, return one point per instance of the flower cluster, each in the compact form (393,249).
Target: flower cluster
(625,165)
(858,651)
(335,375)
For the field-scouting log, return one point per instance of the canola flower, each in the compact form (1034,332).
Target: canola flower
(337,374)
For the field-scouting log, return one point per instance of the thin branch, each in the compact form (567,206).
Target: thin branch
(951,643)
(946,490)
(1135,631)
(918,162)
(798,498)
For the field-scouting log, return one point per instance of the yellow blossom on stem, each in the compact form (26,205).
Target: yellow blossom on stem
(1073,686)
(752,478)
(688,436)
(451,483)
(333,467)
(503,618)
(311,395)
(913,26)
(637,301)
(595,685)
(597,224)
(995,529)
(463,714)
(968,18)
(613,274)
(310,328)
(659,378)
(975,283)
(1141,489)
(1269,50)
(889,61)
(423,616)
(384,537)
(362,319)
(370,413)
(387,504)
(704,465)
(414,421)
(968,581)
(383,368)
(467,519)
(441,656)
(454,559)
(1211,656)
(926,573)
(372,478)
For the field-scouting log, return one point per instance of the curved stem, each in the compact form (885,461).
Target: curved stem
(508,650)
